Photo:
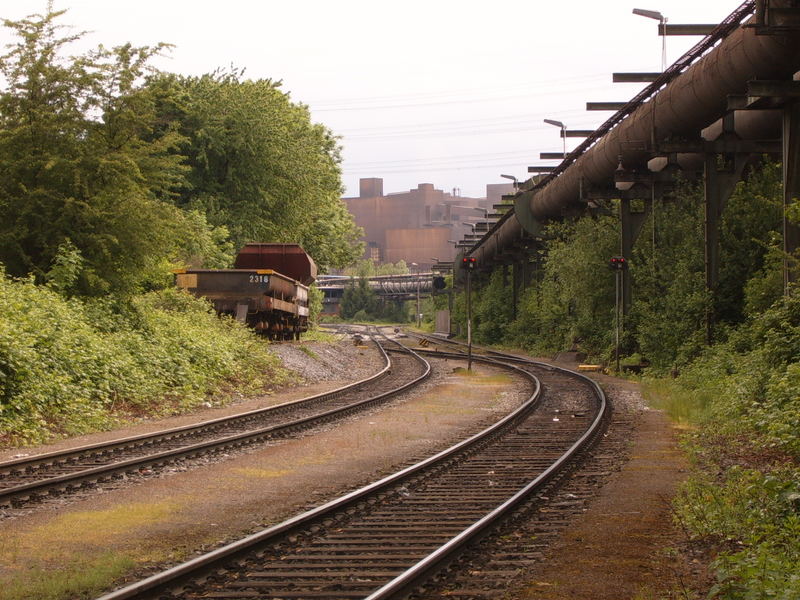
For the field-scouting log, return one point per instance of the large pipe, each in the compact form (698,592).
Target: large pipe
(693,100)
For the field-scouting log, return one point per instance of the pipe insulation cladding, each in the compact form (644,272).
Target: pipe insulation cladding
(693,100)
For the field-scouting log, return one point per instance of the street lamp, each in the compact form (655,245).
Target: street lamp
(563,132)
(512,178)
(483,210)
(654,14)
(419,316)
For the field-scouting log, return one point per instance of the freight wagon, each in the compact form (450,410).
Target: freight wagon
(267,288)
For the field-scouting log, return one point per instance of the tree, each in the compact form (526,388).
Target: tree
(357,298)
(258,165)
(80,161)
(751,224)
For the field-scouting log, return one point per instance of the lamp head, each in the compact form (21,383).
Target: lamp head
(556,123)
(650,14)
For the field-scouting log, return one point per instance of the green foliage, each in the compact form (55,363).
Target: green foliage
(368,268)
(73,161)
(360,303)
(202,245)
(573,300)
(751,228)
(68,367)
(491,309)
(358,298)
(744,396)
(138,172)
(315,297)
(257,164)
(765,287)
(756,516)
(671,303)
(66,269)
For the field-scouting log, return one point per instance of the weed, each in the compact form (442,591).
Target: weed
(309,352)
(81,578)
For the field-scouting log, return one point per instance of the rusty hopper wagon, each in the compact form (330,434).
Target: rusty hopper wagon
(267,288)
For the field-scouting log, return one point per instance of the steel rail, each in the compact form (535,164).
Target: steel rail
(232,441)
(29,462)
(416,575)
(215,558)
(196,568)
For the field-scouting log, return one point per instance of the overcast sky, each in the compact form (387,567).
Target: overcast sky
(422,91)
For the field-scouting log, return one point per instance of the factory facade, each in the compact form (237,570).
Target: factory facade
(418,226)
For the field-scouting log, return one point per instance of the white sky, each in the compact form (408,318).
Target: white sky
(437,91)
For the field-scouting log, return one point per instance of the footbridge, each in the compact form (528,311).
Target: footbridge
(389,287)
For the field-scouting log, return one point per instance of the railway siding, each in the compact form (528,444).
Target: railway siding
(419,514)
(164,519)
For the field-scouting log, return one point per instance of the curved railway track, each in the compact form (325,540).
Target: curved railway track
(385,539)
(32,479)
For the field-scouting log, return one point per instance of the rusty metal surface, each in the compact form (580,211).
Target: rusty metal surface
(289,259)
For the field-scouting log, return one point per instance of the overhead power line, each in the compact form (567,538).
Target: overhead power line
(542,89)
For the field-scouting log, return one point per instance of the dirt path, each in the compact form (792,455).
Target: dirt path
(616,549)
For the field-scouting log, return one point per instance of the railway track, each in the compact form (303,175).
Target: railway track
(33,479)
(382,541)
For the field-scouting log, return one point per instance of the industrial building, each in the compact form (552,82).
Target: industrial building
(421,225)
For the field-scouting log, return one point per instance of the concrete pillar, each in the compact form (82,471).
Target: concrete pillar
(720,179)
(630,227)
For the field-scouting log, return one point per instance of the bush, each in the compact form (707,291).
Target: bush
(68,367)
(755,517)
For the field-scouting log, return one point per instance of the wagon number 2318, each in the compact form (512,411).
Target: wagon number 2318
(259,278)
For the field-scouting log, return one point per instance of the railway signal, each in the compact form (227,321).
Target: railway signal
(468,263)
(618,263)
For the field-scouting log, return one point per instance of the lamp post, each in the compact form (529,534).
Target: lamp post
(512,178)
(419,317)
(563,132)
(654,14)
(618,264)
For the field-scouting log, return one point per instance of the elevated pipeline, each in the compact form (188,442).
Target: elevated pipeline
(691,101)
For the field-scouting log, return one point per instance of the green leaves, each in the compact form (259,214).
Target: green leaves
(80,162)
(258,165)
(756,518)
(69,366)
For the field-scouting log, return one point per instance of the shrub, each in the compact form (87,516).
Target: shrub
(68,367)
(755,517)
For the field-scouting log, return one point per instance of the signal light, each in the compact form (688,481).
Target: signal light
(618,263)
(468,262)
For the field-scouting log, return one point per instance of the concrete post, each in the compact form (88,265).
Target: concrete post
(720,181)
